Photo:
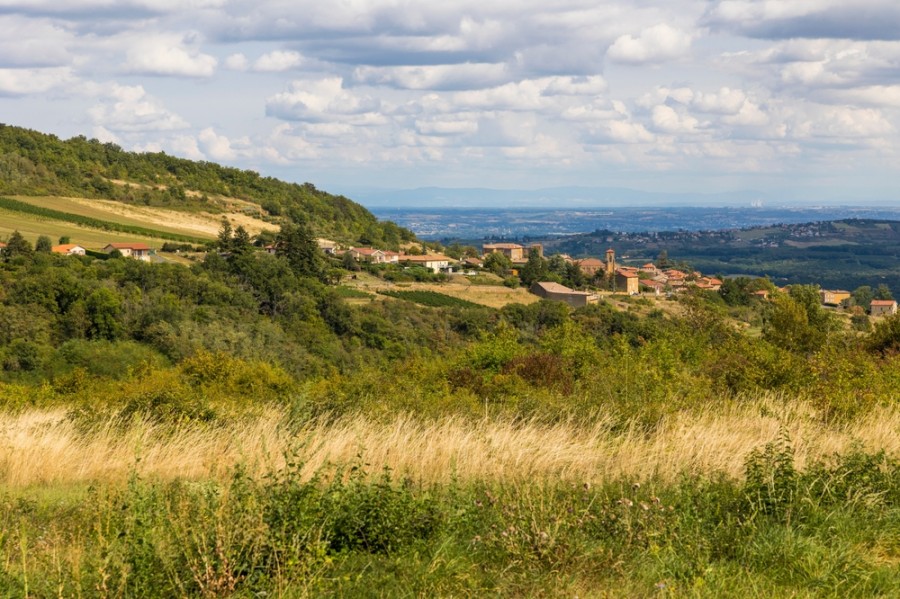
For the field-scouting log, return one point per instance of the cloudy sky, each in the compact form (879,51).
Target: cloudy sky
(792,97)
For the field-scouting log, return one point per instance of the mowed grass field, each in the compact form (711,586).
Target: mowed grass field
(160,219)
(32,227)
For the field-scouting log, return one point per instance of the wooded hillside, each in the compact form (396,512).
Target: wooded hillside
(37,164)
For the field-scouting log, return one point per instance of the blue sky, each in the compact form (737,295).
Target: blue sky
(798,97)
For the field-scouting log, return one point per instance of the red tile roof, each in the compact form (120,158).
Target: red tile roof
(64,248)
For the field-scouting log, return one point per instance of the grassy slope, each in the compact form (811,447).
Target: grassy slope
(32,227)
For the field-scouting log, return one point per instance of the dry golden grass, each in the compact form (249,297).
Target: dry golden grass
(44,448)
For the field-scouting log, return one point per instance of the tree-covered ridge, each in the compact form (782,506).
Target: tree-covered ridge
(34,163)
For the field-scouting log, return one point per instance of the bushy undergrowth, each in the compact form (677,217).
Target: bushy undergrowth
(829,530)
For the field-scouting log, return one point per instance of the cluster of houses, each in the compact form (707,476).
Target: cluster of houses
(840,297)
(138,251)
(631,280)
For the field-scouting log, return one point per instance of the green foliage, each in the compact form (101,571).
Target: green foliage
(43,245)
(885,339)
(16,246)
(430,298)
(535,269)
(797,321)
(829,530)
(297,244)
(32,163)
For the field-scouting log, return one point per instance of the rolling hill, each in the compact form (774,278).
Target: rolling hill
(167,195)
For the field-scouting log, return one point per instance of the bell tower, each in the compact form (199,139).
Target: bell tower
(610,262)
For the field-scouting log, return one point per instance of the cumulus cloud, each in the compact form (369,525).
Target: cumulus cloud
(434,77)
(666,119)
(24,82)
(277,61)
(217,147)
(237,62)
(659,43)
(35,43)
(786,19)
(168,55)
(131,109)
(323,100)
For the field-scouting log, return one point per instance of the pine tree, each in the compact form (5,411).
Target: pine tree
(17,245)
(44,244)
(297,244)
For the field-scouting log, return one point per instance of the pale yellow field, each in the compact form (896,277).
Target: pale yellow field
(44,448)
(32,227)
(494,296)
(200,224)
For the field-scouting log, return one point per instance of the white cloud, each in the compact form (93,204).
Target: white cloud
(131,109)
(24,82)
(659,43)
(168,55)
(217,147)
(434,77)
(872,95)
(446,126)
(35,43)
(324,100)
(725,101)
(237,62)
(668,120)
(277,61)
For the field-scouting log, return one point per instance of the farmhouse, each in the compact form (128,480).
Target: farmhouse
(627,281)
(138,251)
(68,249)
(367,255)
(555,291)
(513,251)
(883,307)
(327,246)
(590,266)
(834,298)
(435,262)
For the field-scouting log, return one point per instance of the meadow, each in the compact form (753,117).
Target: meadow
(239,429)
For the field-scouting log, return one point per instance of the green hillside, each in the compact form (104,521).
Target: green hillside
(37,164)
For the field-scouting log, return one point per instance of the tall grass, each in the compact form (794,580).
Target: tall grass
(47,447)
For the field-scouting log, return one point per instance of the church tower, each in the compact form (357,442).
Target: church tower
(610,262)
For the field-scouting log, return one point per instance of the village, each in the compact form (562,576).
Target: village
(598,277)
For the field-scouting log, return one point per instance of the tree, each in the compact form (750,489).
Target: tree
(497,263)
(223,241)
(662,261)
(104,308)
(883,293)
(535,269)
(64,240)
(348,262)
(863,296)
(297,244)
(17,245)
(44,245)
(798,322)
(241,242)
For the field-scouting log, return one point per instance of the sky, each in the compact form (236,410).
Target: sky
(798,98)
